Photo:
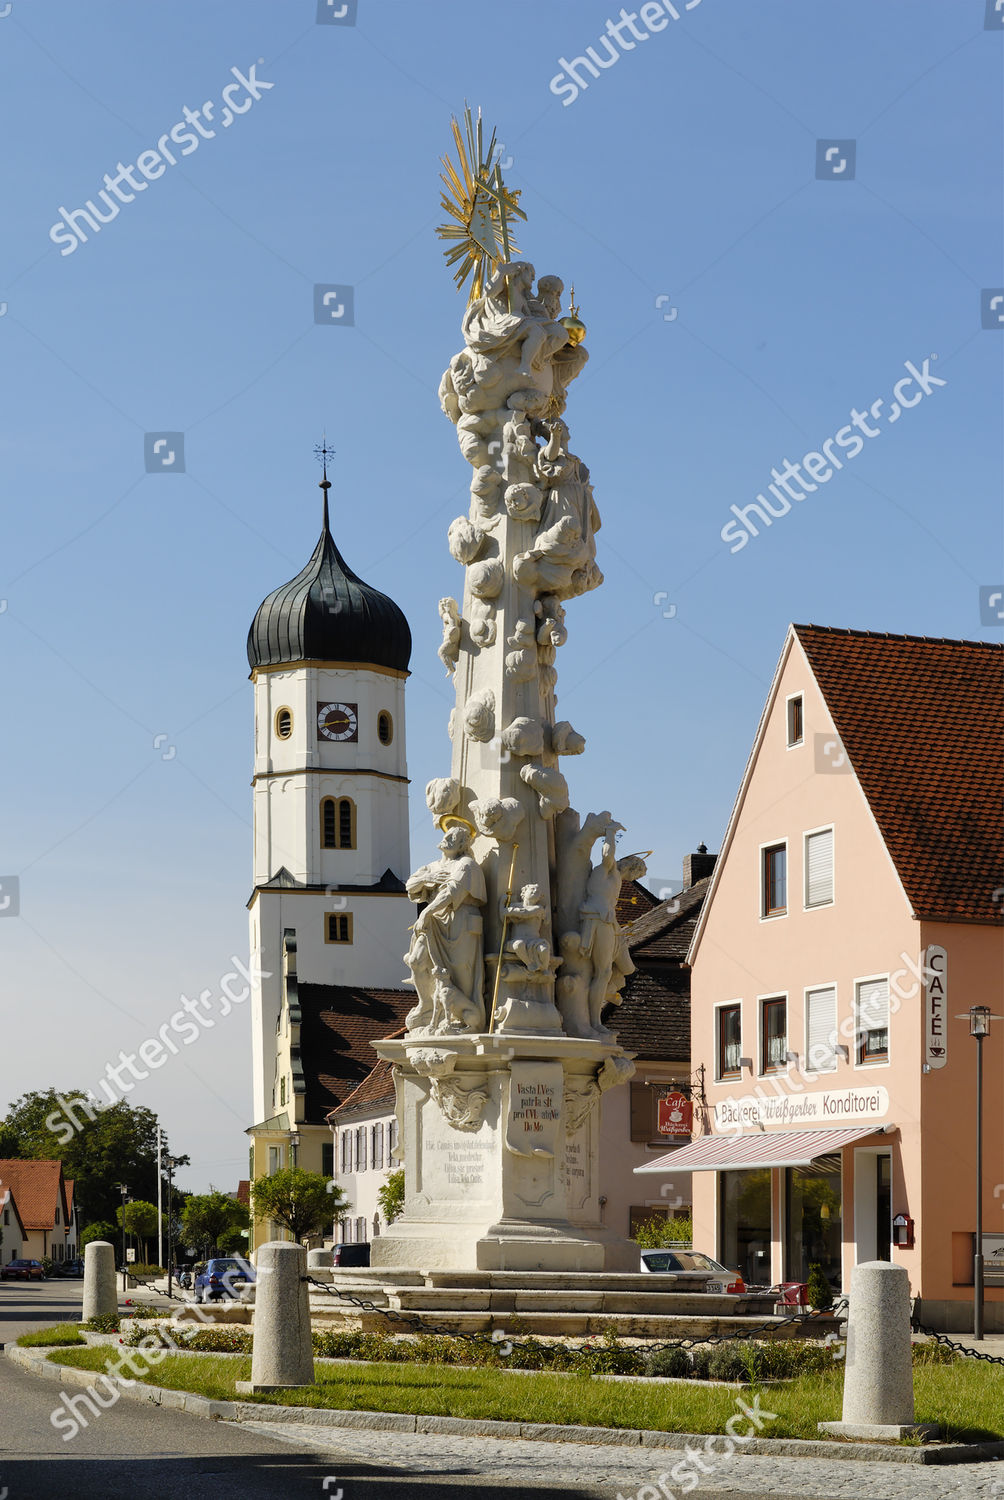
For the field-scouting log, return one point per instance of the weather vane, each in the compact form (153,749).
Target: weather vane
(480,206)
(322,453)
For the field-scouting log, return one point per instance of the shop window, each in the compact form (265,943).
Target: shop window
(774,1035)
(745,1229)
(818,866)
(871,1021)
(821,1029)
(328,1160)
(795,729)
(813,1218)
(730,1041)
(774,881)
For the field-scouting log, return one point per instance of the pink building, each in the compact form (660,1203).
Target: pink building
(856,911)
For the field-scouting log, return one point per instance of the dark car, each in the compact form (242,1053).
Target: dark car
(22,1270)
(68,1268)
(350,1255)
(223,1277)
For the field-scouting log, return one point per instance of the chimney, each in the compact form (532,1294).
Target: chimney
(696,866)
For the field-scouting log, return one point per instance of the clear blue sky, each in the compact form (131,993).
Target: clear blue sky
(738,308)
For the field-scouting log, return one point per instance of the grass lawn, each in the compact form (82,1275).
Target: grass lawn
(59,1334)
(966,1398)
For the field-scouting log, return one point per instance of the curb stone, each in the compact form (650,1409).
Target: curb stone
(35,1362)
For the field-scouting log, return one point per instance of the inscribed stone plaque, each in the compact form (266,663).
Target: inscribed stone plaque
(535,1094)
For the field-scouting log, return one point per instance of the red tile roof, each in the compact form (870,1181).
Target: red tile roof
(922,724)
(36,1186)
(339,1022)
(376,1090)
(633,900)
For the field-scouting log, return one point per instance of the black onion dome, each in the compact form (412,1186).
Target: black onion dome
(326,613)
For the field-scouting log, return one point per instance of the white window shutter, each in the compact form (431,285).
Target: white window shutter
(819,868)
(873,1005)
(820,1030)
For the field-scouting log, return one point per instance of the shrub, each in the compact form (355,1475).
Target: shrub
(818,1289)
(145,1270)
(674,1361)
(729,1361)
(656,1232)
(106,1323)
(701,1361)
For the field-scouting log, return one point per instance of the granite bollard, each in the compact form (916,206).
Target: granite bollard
(878,1366)
(318,1260)
(100,1295)
(283,1355)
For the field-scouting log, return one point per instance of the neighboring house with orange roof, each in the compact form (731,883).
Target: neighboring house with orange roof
(854,917)
(46,1211)
(13,1232)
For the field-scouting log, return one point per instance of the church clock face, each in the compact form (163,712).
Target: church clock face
(338,721)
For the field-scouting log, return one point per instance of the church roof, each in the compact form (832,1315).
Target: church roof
(327,613)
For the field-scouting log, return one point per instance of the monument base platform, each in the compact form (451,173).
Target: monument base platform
(501,1154)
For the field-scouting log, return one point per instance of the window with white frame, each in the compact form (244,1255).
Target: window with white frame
(796,730)
(774,881)
(346,1231)
(361,1230)
(821,1029)
(361,1149)
(819,867)
(376,1146)
(871,1021)
(730,1041)
(346,1151)
(774,1034)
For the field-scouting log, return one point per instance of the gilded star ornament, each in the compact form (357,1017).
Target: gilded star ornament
(480,208)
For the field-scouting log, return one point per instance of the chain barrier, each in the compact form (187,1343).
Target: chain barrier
(421,1325)
(942,1338)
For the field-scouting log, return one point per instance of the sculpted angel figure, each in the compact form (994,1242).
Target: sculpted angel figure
(446,954)
(524,939)
(508,315)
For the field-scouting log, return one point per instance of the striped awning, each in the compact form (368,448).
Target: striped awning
(777,1148)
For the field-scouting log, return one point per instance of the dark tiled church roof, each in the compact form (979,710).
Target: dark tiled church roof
(338,1023)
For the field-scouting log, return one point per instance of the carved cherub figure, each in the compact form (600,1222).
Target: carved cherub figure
(524,940)
(449,651)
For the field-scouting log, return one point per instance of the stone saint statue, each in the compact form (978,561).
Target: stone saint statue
(600,934)
(445,957)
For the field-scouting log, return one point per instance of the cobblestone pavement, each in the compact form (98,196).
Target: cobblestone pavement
(608,1472)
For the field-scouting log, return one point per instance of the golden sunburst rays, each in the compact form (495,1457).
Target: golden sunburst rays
(480,207)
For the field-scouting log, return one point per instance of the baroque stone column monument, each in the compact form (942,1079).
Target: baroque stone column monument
(516,951)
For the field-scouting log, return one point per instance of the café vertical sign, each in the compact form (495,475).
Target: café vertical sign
(935,1006)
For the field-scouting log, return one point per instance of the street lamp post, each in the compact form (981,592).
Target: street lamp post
(123,1189)
(979,1018)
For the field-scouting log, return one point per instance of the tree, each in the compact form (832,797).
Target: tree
(140,1219)
(101,1229)
(234,1241)
(208,1218)
(119,1144)
(655,1233)
(390,1195)
(303,1202)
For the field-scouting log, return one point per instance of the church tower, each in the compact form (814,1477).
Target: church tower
(329,915)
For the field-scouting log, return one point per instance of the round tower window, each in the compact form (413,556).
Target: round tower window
(385,728)
(284,723)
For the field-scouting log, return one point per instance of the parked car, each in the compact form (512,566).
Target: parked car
(68,1268)
(22,1270)
(723,1280)
(350,1255)
(222,1277)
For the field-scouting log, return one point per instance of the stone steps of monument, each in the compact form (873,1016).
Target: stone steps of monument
(433,1300)
(558,1324)
(561,1281)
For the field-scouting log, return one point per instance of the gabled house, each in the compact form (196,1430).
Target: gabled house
(854,918)
(364,1134)
(44,1212)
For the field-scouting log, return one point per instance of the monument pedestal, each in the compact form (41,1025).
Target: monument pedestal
(500,1141)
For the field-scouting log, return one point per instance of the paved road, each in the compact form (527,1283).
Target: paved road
(137,1451)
